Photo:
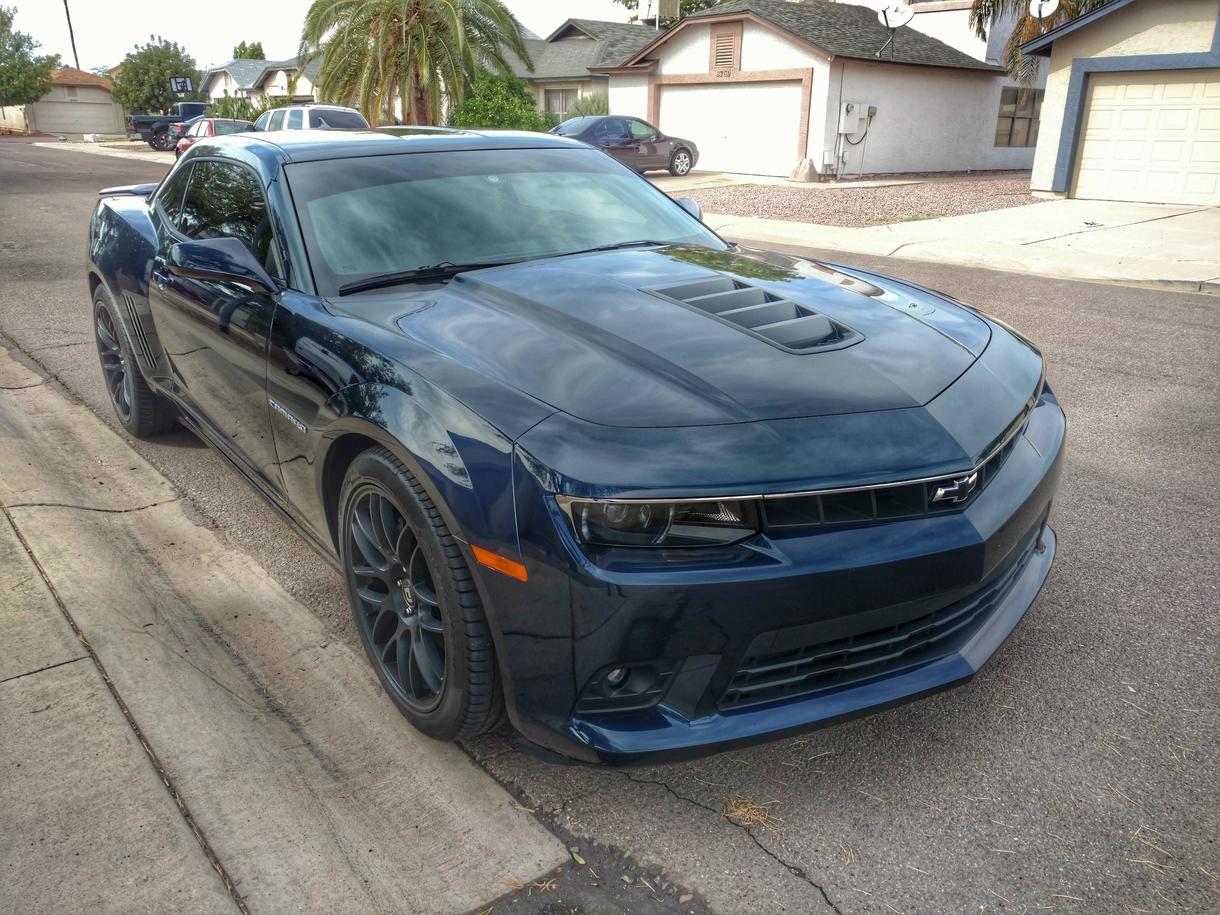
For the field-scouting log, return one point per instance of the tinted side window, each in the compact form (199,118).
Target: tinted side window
(338,119)
(169,197)
(277,119)
(295,119)
(641,131)
(263,120)
(226,201)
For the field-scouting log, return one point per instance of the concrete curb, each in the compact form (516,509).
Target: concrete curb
(99,150)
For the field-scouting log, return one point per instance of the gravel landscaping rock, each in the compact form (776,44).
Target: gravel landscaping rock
(866,206)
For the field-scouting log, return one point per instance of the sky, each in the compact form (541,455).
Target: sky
(106,31)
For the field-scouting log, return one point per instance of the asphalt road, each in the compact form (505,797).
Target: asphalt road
(1076,773)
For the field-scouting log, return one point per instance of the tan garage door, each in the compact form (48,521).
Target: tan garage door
(1151,137)
(69,117)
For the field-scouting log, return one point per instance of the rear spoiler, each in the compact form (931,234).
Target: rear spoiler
(128,190)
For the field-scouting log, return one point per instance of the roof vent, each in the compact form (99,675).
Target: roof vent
(779,321)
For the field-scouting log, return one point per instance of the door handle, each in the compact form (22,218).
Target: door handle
(161,279)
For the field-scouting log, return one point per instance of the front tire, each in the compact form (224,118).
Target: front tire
(140,410)
(414,602)
(680,162)
(160,141)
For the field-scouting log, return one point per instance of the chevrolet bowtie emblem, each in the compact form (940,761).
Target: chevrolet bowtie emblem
(957,491)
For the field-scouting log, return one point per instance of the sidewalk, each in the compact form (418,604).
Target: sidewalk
(1175,247)
(301,787)
(141,152)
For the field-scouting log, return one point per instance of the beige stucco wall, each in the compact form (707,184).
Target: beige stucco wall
(1144,27)
(12,118)
(629,96)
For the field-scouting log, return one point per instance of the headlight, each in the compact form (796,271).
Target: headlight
(661,524)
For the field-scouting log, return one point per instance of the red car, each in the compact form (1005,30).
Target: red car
(210,127)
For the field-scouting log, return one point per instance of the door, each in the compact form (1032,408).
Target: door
(1151,137)
(215,333)
(652,150)
(748,128)
(613,137)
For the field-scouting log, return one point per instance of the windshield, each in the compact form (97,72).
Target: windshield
(338,119)
(376,215)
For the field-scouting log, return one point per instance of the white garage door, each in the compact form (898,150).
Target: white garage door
(76,117)
(1151,137)
(749,128)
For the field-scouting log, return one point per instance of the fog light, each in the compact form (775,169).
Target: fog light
(617,677)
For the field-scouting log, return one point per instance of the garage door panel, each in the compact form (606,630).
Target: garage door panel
(1152,136)
(750,128)
(75,117)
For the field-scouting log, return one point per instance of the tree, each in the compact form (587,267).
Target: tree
(143,83)
(407,58)
(685,8)
(495,100)
(594,103)
(24,76)
(986,13)
(251,51)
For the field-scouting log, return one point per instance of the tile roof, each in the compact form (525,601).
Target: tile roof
(70,76)
(579,44)
(250,74)
(849,30)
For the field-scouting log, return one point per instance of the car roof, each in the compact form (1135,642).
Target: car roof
(315,145)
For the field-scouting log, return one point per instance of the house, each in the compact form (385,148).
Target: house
(765,85)
(564,60)
(260,79)
(77,103)
(1132,105)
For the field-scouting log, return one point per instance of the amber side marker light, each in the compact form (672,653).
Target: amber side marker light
(500,563)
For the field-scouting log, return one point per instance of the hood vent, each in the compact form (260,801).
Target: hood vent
(779,321)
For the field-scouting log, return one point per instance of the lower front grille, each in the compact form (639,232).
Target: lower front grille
(804,670)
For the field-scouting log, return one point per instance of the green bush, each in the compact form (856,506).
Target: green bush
(590,105)
(499,101)
(240,109)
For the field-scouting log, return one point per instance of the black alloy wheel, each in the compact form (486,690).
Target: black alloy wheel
(140,410)
(115,369)
(414,601)
(398,610)
(160,141)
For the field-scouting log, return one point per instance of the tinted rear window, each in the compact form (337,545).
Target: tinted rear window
(573,126)
(340,120)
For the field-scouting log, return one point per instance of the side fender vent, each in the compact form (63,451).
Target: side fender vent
(779,321)
(139,338)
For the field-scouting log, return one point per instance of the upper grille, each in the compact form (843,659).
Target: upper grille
(878,503)
(801,670)
(777,320)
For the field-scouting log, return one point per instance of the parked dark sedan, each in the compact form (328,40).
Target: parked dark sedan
(578,459)
(633,142)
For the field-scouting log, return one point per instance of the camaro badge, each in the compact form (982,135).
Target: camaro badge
(957,491)
(278,408)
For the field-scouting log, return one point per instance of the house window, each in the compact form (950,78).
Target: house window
(70,91)
(557,101)
(1017,124)
(724,51)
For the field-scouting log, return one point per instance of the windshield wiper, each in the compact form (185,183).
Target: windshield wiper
(443,270)
(640,243)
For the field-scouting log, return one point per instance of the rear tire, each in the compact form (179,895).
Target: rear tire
(414,602)
(160,141)
(139,409)
(680,162)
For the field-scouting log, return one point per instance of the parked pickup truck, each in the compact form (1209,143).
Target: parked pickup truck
(153,129)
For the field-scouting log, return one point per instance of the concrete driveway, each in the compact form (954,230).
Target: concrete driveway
(1137,243)
(1075,774)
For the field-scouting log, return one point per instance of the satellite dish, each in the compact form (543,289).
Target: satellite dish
(1040,9)
(895,15)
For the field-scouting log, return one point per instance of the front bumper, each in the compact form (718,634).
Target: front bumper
(702,624)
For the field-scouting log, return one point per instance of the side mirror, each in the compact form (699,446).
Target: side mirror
(222,260)
(691,205)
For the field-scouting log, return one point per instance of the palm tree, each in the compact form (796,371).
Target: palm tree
(984,14)
(413,54)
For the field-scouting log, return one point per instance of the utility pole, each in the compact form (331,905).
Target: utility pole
(71,35)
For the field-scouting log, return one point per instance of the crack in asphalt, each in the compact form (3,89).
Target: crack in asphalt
(90,508)
(793,869)
(21,387)
(30,673)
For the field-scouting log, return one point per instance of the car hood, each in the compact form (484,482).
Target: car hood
(622,339)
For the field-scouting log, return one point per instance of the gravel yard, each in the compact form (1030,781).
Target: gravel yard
(866,206)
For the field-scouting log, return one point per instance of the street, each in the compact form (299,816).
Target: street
(1070,775)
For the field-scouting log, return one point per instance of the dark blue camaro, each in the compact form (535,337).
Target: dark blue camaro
(578,459)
